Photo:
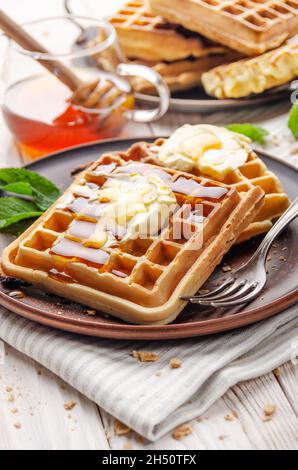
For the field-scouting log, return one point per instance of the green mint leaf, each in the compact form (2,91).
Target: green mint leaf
(43,191)
(44,201)
(293,120)
(255,133)
(13,210)
(17,188)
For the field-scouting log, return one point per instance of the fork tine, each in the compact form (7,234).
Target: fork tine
(225,284)
(227,292)
(256,288)
(243,289)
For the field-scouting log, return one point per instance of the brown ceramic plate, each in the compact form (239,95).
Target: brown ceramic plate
(281,290)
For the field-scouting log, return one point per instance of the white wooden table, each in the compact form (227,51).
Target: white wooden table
(32,413)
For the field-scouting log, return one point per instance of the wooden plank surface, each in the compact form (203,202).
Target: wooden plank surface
(33,414)
(32,400)
(250,399)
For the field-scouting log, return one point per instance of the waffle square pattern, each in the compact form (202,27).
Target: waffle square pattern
(252,173)
(145,36)
(123,268)
(180,56)
(248,26)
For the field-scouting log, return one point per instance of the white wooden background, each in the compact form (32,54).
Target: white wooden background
(32,413)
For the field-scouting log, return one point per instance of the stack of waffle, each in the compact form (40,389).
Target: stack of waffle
(234,47)
(138,279)
(179,55)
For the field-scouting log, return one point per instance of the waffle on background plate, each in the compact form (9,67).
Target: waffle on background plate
(138,280)
(182,74)
(180,56)
(253,75)
(249,26)
(253,173)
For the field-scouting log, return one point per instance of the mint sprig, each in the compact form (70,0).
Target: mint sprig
(28,183)
(255,133)
(293,120)
(36,193)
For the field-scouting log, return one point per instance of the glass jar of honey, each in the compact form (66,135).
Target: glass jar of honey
(37,106)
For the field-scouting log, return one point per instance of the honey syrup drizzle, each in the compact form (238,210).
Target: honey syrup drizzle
(88,211)
(81,229)
(61,276)
(183,188)
(104,168)
(190,187)
(143,169)
(182,185)
(77,205)
(75,251)
(119,273)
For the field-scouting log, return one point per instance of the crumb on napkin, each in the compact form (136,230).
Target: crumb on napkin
(175,363)
(145,356)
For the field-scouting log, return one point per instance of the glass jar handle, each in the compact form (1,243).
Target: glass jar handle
(141,71)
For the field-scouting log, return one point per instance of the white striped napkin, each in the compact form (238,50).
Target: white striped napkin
(152,398)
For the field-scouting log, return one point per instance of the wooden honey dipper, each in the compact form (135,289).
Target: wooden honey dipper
(99,93)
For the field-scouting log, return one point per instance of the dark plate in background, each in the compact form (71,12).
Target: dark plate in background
(196,100)
(281,290)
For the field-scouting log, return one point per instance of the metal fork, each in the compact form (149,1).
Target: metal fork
(247,281)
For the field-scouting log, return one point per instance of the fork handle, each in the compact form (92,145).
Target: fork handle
(288,216)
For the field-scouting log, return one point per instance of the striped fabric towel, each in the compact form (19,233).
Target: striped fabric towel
(153,398)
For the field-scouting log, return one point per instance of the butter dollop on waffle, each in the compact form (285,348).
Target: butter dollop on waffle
(202,151)
(214,151)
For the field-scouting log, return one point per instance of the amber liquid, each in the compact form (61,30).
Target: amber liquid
(87,211)
(42,121)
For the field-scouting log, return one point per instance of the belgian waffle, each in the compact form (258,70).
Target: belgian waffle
(148,37)
(253,173)
(141,280)
(182,74)
(178,55)
(251,26)
(255,75)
